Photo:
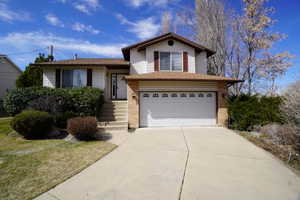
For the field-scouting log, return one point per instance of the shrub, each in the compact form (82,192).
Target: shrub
(82,128)
(279,134)
(248,111)
(85,100)
(32,124)
(82,101)
(1,106)
(60,119)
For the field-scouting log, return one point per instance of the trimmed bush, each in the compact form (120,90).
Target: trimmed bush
(246,111)
(60,119)
(32,124)
(82,101)
(83,128)
(85,100)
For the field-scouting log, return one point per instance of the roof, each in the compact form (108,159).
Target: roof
(11,62)
(87,62)
(142,45)
(179,76)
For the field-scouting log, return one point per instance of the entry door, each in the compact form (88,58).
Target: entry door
(177,108)
(121,87)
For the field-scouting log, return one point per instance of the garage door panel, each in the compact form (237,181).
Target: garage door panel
(177,108)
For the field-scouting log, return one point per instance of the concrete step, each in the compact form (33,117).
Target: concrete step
(113,123)
(109,106)
(112,118)
(113,128)
(114,110)
(117,114)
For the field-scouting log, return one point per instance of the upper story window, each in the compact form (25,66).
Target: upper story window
(170,61)
(74,78)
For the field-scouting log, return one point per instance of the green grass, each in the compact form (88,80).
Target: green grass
(31,167)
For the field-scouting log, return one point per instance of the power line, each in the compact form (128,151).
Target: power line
(20,53)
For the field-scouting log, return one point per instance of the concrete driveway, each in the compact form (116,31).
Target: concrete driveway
(182,163)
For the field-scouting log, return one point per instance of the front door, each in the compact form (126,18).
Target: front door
(119,87)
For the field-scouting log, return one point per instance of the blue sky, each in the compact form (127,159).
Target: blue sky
(99,28)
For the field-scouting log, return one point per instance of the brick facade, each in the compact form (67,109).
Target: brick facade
(222,114)
(133,104)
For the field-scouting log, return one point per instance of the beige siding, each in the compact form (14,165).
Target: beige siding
(163,46)
(137,62)
(99,78)
(49,78)
(201,63)
(177,85)
(8,75)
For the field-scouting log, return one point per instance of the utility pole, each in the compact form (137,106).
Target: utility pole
(51,52)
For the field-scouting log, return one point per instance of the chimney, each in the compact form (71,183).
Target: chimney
(75,56)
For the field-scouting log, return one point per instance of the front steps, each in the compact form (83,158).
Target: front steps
(113,116)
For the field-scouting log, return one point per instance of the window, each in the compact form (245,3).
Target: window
(170,61)
(74,78)
(192,95)
(182,95)
(165,95)
(174,95)
(155,95)
(146,95)
(209,95)
(201,95)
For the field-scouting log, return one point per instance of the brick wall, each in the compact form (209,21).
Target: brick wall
(222,114)
(133,104)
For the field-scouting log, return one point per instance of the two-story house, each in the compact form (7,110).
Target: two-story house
(163,81)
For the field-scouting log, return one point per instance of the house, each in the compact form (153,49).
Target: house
(9,72)
(164,80)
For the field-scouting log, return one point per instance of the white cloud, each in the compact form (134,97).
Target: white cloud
(53,20)
(85,28)
(33,40)
(86,6)
(143,29)
(138,3)
(82,8)
(8,15)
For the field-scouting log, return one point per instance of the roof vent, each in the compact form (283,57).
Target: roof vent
(170,42)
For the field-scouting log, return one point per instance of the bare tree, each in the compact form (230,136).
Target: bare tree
(210,29)
(258,40)
(291,109)
(166,22)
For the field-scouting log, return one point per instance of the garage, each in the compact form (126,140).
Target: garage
(158,109)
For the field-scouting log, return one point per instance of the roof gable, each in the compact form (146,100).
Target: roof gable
(144,44)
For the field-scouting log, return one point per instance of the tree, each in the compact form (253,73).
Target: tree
(166,22)
(258,41)
(33,75)
(291,109)
(210,30)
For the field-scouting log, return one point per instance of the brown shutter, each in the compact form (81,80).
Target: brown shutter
(156,61)
(185,62)
(89,81)
(57,78)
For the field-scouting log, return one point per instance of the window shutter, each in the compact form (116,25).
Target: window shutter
(185,62)
(57,78)
(156,61)
(89,80)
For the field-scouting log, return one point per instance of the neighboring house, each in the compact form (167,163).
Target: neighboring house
(9,72)
(164,80)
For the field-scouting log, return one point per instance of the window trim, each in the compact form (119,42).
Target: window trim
(170,68)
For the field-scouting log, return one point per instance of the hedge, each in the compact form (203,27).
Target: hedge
(248,111)
(81,101)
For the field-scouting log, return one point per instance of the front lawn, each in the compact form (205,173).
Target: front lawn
(31,167)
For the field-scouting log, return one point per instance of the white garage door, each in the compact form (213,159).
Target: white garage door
(177,108)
